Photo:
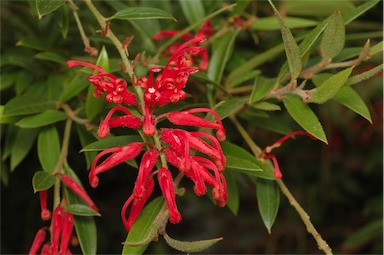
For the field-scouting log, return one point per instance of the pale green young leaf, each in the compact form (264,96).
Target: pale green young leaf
(268,201)
(266,106)
(364,76)
(25,138)
(304,116)
(270,23)
(261,88)
(376,48)
(190,246)
(291,48)
(135,13)
(330,87)
(81,210)
(48,148)
(42,119)
(193,10)
(42,180)
(333,39)
(45,7)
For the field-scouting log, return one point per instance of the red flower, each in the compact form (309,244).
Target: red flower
(45,213)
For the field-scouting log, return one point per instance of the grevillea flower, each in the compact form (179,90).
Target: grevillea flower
(45,213)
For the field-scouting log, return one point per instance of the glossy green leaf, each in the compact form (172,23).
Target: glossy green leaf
(221,52)
(270,23)
(32,43)
(357,12)
(45,7)
(351,99)
(110,142)
(304,116)
(48,148)
(93,106)
(364,76)
(333,38)
(42,181)
(291,48)
(193,10)
(233,192)
(227,107)
(144,227)
(85,226)
(4,119)
(73,86)
(86,137)
(51,56)
(268,201)
(330,87)
(42,119)
(7,80)
(133,13)
(188,246)
(27,104)
(25,138)
(81,210)
(24,79)
(261,88)
(238,159)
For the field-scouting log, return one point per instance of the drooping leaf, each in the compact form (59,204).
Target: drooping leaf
(233,192)
(193,10)
(28,104)
(51,56)
(226,107)
(84,225)
(25,137)
(330,87)
(268,200)
(45,7)
(42,180)
(304,116)
(81,210)
(144,227)
(48,148)
(270,23)
(188,246)
(261,88)
(42,119)
(110,142)
(133,13)
(333,38)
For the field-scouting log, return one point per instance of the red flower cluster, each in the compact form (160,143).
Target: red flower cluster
(177,145)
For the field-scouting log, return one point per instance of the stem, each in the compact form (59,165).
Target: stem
(72,115)
(322,244)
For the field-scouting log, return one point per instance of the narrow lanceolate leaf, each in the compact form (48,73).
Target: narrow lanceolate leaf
(193,10)
(351,99)
(261,88)
(133,13)
(365,75)
(233,192)
(110,142)
(86,137)
(42,119)
(51,56)
(270,23)
(304,116)
(330,87)
(291,48)
(27,104)
(42,181)
(268,200)
(84,225)
(227,107)
(45,7)
(48,148)
(333,38)
(361,9)
(25,138)
(188,247)
(32,43)
(93,105)
(81,210)
(144,228)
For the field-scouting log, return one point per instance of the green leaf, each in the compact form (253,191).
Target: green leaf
(48,148)
(8,79)
(4,119)
(51,56)
(268,200)
(85,226)
(42,119)
(317,8)
(357,12)
(24,80)
(32,43)
(377,48)
(266,106)
(238,159)
(81,210)
(10,138)
(93,106)
(189,247)
(333,38)
(73,86)
(248,76)
(330,87)
(291,48)
(193,10)
(221,52)
(111,142)
(364,76)
(25,137)
(304,116)
(261,88)
(233,192)
(133,13)
(27,104)
(42,181)
(372,230)
(351,99)
(45,7)
(272,123)
(86,137)
(226,107)
(144,227)
(270,23)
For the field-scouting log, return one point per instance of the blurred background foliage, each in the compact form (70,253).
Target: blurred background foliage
(340,184)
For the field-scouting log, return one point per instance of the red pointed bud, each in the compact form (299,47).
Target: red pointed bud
(57,226)
(66,235)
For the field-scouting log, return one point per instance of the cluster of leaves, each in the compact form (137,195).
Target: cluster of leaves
(39,93)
